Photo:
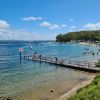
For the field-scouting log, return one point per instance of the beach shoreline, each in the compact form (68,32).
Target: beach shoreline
(59,91)
(74,89)
(89,43)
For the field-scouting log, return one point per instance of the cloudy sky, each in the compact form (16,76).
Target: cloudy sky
(44,19)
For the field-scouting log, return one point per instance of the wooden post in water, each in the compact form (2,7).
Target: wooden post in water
(20,56)
(20,51)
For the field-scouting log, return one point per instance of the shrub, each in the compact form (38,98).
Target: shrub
(90,92)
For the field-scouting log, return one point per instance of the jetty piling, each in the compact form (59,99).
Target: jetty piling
(20,52)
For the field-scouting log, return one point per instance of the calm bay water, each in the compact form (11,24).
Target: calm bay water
(17,79)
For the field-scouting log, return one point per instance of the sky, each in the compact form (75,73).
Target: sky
(44,19)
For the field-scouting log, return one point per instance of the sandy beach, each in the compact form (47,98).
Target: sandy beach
(88,43)
(59,91)
(74,89)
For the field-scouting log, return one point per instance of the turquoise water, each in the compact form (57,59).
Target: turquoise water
(16,78)
(69,50)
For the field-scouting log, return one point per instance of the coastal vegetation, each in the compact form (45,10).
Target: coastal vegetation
(79,36)
(90,92)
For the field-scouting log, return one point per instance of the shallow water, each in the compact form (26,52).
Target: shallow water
(35,80)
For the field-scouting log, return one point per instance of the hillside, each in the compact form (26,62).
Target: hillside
(79,36)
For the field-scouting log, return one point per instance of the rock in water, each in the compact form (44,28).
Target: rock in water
(9,98)
(51,90)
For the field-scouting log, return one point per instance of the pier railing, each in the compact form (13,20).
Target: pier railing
(59,61)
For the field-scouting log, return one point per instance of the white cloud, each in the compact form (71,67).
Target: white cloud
(91,26)
(9,34)
(4,24)
(31,18)
(52,26)
(45,24)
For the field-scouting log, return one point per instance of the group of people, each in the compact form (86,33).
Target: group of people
(55,59)
(87,51)
(36,56)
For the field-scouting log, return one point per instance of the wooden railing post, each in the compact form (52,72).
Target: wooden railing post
(85,63)
(88,64)
(70,62)
(78,64)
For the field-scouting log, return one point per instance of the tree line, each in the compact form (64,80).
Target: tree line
(79,36)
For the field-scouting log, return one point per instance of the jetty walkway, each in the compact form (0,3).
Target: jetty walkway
(74,64)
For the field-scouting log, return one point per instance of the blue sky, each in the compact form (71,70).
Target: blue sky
(44,19)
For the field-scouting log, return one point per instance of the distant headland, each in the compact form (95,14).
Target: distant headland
(91,36)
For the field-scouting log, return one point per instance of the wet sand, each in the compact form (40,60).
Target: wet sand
(74,89)
(56,91)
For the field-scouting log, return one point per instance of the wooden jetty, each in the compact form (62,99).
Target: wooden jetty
(73,64)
